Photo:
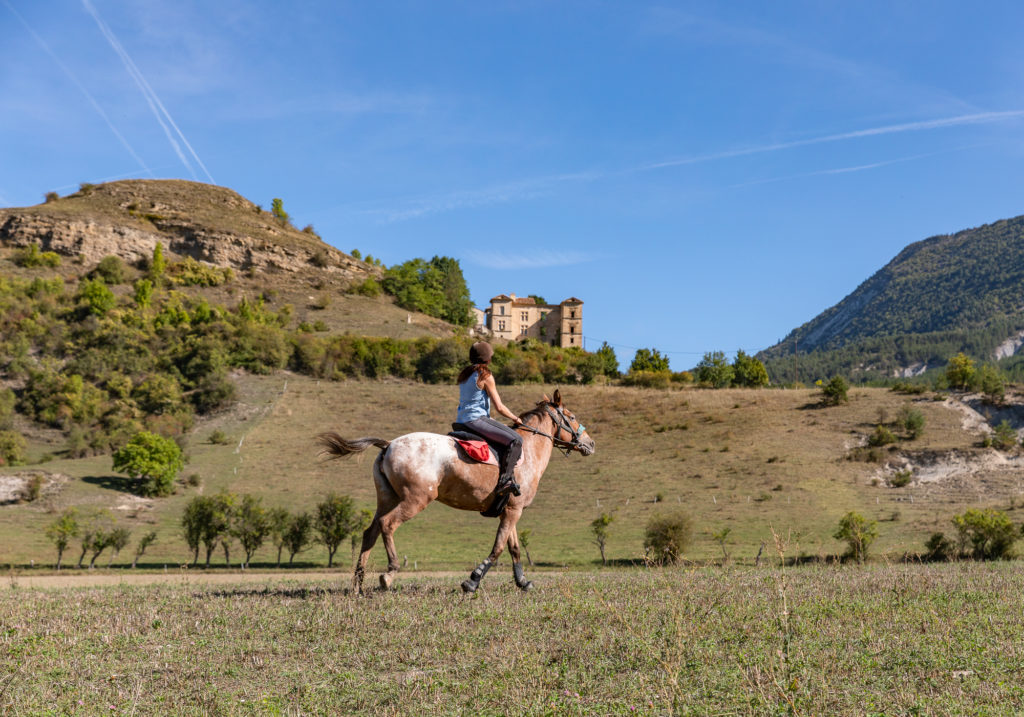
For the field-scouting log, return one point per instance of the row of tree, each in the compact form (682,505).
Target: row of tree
(96,531)
(219,520)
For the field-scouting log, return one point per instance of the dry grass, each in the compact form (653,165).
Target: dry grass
(811,640)
(744,459)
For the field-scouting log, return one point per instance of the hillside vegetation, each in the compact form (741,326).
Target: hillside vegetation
(744,459)
(940,296)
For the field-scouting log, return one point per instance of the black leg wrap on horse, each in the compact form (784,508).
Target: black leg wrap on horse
(481,570)
(521,581)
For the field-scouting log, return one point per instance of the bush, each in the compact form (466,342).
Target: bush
(858,532)
(989,532)
(835,391)
(368,287)
(51,197)
(648,379)
(218,438)
(648,360)
(12,448)
(95,298)
(195,273)
(900,479)
(666,537)
(110,270)
(1004,436)
(912,421)
(442,363)
(882,436)
(30,257)
(749,371)
(938,548)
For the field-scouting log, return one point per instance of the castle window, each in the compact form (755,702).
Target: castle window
(572,314)
(572,340)
(543,315)
(572,329)
(524,315)
(502,310)
(501,326)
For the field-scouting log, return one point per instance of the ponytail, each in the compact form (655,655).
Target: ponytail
(468,371)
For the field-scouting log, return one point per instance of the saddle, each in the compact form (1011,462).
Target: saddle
(474,447)
(469,448)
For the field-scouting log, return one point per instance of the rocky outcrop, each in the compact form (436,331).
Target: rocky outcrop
(128,219)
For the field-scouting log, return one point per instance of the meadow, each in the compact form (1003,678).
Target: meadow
(749,460)
(876,639)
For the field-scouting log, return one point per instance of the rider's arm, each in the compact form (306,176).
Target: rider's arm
(492,391)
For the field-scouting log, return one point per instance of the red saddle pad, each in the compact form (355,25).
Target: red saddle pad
(477,450)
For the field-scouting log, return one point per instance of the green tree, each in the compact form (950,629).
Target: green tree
(524,540)
(990,533)
(436,288)
(298,534)
(960,371)
(61,531)
(146,540)
(1004,436)
(749,371)
(143,293)
(333,522)
(990,380)
(110,270)
(278,518)
(858,533)
(192,522)
(117,540)
(648,360)
(277,209)
(714,370)
(12,448)
(157,264)
(609,362)
(151,459)
(599,527)
(250,524)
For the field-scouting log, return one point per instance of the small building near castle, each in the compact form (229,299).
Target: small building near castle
(511,317)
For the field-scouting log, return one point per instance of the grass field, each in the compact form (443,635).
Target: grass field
(880,639)
(749,460)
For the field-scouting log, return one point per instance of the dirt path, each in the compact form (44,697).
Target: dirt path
(181,577)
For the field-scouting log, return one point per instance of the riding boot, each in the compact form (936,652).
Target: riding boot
(507,479)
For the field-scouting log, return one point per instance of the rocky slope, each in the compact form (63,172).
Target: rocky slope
(208,223)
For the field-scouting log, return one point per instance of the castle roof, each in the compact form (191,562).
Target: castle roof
(524,301)
(501,298)
(572,300)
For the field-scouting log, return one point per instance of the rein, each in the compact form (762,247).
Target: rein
(561,423)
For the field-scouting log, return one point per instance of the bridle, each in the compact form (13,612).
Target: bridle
(561,423)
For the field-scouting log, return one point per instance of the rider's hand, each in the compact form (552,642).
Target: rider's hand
(518,421)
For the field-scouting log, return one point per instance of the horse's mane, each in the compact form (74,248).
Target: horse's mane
(537,411)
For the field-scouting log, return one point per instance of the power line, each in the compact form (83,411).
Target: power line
(637,348)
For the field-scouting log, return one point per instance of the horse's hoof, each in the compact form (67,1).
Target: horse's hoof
(385,581)
(527,586)
(470,586)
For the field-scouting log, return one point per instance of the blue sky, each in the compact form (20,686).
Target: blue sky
(705,176)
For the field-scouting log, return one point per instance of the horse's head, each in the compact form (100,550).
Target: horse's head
(568,431)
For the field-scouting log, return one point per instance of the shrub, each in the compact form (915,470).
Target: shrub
(33,488)
(95,298)
(938,548)
(356,254)
(990,382)
(989,532)
(858,532)
(368,287)
(882,436)
(648,360)
(277,209)
(152,459)
(30,257)
(749,371)
(648,379)
(319,259)
(599,527)
(901,478)
(834,391)
(442,363)
(50,197)
(110,270)
(912,421)
(218,438)
(1004,436)
(666,537)
(12,448)
(195,273)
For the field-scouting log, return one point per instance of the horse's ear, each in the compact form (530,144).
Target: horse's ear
(558,398)
(544,398)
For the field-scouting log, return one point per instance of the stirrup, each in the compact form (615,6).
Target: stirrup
(509,486)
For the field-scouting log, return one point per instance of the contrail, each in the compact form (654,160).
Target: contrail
(81,87)
(980,118)
(159,111)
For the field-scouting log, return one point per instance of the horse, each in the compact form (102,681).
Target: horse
(416,469)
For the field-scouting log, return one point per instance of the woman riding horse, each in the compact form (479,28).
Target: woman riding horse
(476,394)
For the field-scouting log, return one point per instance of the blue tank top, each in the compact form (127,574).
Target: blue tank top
(474,402)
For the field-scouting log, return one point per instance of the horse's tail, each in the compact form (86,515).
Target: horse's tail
(334,446)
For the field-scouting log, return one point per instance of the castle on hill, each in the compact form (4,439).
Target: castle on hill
(512,317)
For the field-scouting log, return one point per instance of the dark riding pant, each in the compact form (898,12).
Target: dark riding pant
(502,435)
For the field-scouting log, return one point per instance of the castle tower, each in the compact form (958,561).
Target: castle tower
(572,322)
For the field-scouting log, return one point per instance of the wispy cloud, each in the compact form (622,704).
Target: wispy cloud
(159,111)
(467,199)
(88,95)
(527,259)
(849,170)
(977,118)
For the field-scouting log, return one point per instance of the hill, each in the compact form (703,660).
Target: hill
(748,460)
(937,297)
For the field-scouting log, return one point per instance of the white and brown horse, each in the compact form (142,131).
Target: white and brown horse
(415,469)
